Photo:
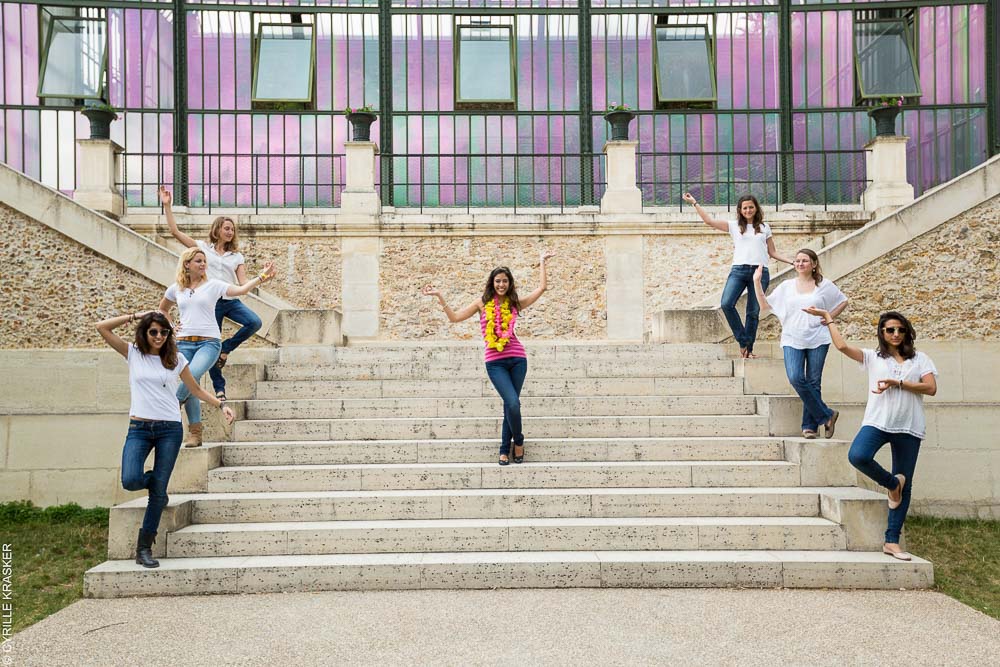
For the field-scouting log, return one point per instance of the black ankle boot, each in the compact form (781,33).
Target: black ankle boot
(144,550)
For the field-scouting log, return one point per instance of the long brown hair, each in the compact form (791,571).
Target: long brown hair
(491,292)
(168,351)
(906,349)
(817,275)
(758,216)
(213,233)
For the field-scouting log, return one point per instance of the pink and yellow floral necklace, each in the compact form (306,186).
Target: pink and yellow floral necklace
(500,319)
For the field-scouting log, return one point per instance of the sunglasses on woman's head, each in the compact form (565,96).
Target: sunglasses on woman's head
(159,332)
(894,330)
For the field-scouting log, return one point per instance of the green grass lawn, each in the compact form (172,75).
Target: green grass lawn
(966,557)
(52,548)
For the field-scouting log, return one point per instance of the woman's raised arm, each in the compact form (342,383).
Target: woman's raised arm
(721,225)
(167,200)
(543,282)
(453,316)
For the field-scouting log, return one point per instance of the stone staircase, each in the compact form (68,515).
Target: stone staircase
(374,467)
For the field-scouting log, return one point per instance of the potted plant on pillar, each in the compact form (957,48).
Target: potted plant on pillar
(884,114)
(361,119)
(620,117)
(100,114)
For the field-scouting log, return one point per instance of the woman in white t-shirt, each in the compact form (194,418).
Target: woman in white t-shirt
(752,245)
(898,377)
(804,339)
(227,264)
(195,295)
(154,366)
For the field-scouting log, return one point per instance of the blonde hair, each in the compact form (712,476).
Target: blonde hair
(183,277)
(213,233)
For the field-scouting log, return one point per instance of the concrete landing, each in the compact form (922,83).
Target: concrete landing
(504,627)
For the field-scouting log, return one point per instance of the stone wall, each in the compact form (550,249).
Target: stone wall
(947,282)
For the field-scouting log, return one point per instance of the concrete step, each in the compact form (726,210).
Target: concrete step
(537,351)
(405,428)
(500,503)
(347,537)
(618,474)
(418,406)
(485,450)
(530,569)
(418,369)
(481,387)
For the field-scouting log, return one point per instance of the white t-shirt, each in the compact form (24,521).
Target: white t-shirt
(221,267)
(749,248)
(798,329)
(153,387)
(896,410)
(198,307)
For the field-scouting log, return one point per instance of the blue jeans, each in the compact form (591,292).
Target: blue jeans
(905,448)
(163,438)
(201,356)
(507,375)
(741,280)
(804,369)
(249,325)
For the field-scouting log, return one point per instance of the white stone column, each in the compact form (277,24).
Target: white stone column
(622,195)
(360,286)
(96,186)
(885,164)
(359,196)
(624,288)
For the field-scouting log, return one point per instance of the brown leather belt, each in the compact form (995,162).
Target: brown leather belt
(195,339)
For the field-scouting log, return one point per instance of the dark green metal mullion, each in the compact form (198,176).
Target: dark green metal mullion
(585,68)
(993,76)
(180,110)
(785,96)
(385,97)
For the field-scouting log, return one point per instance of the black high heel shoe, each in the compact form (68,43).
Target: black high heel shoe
(504,461)
(519,458)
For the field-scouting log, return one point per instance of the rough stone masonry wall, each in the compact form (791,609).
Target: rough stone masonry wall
(53,289)
(946,282)
(573,307)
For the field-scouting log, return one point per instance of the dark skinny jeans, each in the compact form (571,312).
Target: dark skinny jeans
(507,376)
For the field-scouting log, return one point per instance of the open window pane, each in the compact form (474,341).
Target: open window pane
(884,60)
(685,68)
(485,64)
(283,66)
(75,54)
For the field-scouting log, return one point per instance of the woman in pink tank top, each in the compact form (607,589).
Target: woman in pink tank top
(506,361)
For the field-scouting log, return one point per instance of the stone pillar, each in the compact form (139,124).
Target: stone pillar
(624,287)
(360,286)
(622,195)
(885,164)
(359,196)
(96,186)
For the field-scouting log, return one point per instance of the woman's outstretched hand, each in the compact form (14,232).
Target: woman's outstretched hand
(269,270)
(819,312)
(689,198)
(228,413)
(758,275)
(165,197)
(547,255)
(428,290)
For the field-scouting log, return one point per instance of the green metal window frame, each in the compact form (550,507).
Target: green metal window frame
(907,39)
(709,43)
(465,104)
(44,61)
(256,62)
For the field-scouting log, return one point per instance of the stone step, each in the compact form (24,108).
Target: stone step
(473,369)
(537,351)
(481,387)
(500,503)
(485,450)
(405,428)
(528,569)
(418,406)
(619,474)
(347,537)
